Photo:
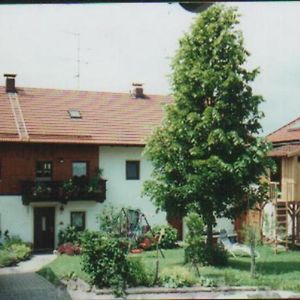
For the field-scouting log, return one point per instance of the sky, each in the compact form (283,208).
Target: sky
(125,43)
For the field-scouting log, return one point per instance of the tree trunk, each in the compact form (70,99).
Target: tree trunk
(209,234)
(253,263)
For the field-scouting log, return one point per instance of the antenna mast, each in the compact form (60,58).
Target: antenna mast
(78,59)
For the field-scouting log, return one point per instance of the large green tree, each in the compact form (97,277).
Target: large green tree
(207,152)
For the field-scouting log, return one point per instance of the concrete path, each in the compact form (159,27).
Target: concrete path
(79,295)
(22,283)
(29,286)
(32,265)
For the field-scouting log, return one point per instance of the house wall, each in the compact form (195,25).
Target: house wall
(18,219)
(290,176)
(18,162)
(122,192)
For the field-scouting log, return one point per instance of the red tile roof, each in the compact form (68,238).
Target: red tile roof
(287,133)
(107,118)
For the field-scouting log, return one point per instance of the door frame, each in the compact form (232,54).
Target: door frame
(53,209)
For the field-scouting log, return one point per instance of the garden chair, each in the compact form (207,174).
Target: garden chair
(235,249)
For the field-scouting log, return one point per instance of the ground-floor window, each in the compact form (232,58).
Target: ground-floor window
(78,219)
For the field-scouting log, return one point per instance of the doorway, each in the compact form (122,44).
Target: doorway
(44,228)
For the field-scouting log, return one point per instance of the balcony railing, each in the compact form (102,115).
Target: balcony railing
(286,193)
(74,189)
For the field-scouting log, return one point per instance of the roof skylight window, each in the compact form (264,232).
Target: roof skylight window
(74,114)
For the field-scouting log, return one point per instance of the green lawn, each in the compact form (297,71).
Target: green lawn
(281,271)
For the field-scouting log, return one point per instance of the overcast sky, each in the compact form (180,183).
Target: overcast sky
(125,43)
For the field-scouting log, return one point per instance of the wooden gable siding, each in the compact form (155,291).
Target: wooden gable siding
(18,162)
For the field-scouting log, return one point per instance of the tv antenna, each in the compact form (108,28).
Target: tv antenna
(79,61)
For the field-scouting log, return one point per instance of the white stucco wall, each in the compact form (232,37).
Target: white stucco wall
(16,217)
(91,209)
(122,192)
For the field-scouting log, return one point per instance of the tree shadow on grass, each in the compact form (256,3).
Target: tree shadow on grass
(267,267)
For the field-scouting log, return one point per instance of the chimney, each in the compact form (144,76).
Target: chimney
(10,83)
(138,90)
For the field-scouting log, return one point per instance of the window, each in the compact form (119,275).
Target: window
(43,170)
(74,114)
(78,219)
(133,170)
(79,168)
(276,177)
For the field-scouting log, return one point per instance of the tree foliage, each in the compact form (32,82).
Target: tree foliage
(207,151)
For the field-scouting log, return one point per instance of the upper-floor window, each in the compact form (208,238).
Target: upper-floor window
(132,170)
(79,168)
(276,176)
(43,170)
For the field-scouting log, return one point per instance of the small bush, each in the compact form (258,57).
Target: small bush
(69,249)
(20,251)
(104,260)
(7,259)
(176,277)
(169,238)
(197,252)
(137,275)
(216,256)
(70,234)
(207,282)
(9,241)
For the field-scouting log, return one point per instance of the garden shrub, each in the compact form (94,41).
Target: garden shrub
(20,251)
(13,250)
(216,256)
(138,275)
(168,240)
(9,241)
(207,282)
(176,277)
(104,260)
(69,249)
(70,234)
(197,252)
(7,259)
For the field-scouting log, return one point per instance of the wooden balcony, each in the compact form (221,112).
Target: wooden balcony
(287,192)
(74,189)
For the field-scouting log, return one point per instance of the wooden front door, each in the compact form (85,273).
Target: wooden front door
(44,228)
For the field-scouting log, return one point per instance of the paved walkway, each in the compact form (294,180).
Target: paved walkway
(77,295)
(32,265)
(22,283)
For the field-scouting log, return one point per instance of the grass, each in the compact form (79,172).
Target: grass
(280,272)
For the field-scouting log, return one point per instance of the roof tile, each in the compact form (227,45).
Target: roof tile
(107,118)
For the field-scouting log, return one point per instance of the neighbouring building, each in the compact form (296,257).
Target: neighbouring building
(279,217)
(283,211)
(55,144)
